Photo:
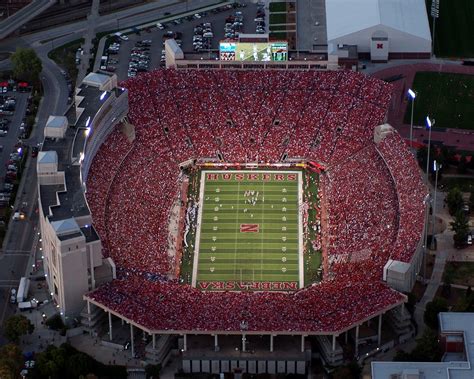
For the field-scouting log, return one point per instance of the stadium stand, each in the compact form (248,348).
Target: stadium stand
(373,193)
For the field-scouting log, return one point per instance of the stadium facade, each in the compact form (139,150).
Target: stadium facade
(75,262)
(379,29)
(73,259)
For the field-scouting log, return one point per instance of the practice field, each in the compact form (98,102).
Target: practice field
(248,236)
(446,97)
(454,28)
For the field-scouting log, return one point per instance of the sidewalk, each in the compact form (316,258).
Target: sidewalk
(88,37)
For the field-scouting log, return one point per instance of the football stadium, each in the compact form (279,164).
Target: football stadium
(247,206)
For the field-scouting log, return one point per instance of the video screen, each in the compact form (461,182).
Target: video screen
(253,51)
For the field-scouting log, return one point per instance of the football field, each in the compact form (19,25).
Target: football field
(248,233)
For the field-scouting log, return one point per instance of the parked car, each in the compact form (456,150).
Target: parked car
(34,151)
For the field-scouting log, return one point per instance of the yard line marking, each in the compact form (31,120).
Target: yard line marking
(237,230)
(261,239)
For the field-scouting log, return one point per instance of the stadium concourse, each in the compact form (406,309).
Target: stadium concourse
(372,194)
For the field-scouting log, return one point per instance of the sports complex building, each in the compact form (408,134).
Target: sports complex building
(247,217)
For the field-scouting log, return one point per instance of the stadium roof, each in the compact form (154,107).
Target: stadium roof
(350,16)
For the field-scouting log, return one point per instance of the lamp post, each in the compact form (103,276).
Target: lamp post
(436,168)
(426,202)
(429,124)
(412,96)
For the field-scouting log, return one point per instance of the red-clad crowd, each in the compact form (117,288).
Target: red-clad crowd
(240,116)
(328,306)
(411,193)
(362,210)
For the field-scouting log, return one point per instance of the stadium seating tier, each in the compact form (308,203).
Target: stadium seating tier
(373,193)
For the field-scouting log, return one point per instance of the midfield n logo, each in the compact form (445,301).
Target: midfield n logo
(249,228)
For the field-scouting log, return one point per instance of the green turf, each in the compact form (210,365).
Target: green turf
(454,28)
(278,7)
(278,18)
(270,255)
(446,97)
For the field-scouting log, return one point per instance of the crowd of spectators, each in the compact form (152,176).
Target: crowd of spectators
(411,193)
(241,116)
(327,306)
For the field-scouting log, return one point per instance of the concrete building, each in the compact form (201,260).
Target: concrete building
(456,336)
(72,250)
(380,29)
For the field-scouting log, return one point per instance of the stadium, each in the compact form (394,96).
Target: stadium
(253,203)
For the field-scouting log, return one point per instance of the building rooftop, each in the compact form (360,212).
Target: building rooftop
(96,79)
(348,16)
(56,121)
(90,233)
(49,156)
(451,367)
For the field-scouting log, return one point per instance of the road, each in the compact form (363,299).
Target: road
(19,251)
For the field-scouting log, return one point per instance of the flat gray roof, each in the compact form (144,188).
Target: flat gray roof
(450,322)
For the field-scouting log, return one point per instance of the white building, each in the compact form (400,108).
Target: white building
(457,342)
(72,249)
(381,29)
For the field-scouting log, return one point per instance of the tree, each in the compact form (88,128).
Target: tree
(422,156)
(402,356)
(446,156)
(455,200)
(79,364)
(17,326)
(466,304)
(350,371)
(26,65)
(460,226)
(431,311)
(11,361)
(427,347)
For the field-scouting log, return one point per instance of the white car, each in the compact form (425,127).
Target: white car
(197,16)
(160,26)
(469,239)
(123,37)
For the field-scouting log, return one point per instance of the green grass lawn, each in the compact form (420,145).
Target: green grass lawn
(446,97)
(454,28)
(278,18)
(278,7)
(464,184)
(252,241)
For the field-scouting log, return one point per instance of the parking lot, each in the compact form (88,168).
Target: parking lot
(13,126)
(184,29)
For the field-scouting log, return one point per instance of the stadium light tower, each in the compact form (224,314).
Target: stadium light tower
(426,202)
(429,124)
(436,168)
(412,96)
(434,16)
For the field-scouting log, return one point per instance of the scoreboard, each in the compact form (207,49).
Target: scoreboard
(253,51)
